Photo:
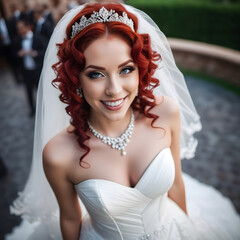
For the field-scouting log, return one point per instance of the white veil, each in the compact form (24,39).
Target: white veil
(37,202)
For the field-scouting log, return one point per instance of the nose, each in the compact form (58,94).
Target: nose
(113,87)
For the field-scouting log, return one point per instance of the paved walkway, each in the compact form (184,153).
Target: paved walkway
(217,160)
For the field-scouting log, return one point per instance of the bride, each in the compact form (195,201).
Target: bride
(130,122)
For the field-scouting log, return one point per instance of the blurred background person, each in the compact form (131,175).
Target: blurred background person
(5,41)
(41,25)
(27,13)
(6,46)
(47,14)
(29,48)
(15,13)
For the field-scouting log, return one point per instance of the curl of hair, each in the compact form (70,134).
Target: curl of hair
(72,62)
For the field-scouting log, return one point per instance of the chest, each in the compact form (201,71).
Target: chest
(107,163)
(27,44)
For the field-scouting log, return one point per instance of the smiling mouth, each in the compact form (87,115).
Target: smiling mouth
(115,103)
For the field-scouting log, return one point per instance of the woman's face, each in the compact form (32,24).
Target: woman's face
(110,78)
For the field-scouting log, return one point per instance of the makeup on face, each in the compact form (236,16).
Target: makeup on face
(110,79)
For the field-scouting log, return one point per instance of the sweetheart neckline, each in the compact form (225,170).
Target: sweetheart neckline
(140,179)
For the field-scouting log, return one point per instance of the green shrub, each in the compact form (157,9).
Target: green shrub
(202,21)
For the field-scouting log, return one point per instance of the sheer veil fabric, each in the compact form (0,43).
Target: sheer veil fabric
(37,203)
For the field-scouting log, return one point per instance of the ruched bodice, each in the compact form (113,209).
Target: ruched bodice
(115,207)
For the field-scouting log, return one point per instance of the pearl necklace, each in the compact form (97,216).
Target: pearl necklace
(118,143)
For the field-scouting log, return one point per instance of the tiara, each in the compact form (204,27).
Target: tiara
(102,16)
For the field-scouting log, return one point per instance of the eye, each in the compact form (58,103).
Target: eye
(127,70)
(95,75)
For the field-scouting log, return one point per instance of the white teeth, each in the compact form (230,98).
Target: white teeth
(114,104)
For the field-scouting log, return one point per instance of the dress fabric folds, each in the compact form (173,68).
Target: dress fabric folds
(145,212)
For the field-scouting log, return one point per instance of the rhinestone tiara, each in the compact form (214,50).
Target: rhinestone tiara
(102,16)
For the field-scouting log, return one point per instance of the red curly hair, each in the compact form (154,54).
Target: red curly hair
(72,62)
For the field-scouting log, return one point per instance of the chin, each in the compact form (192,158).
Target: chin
(116,115)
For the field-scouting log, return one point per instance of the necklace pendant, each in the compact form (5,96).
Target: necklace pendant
(118,143)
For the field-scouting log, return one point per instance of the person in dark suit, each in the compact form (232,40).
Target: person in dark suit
(30,49)
(6,39)
(11,24)
(47,14)
(27,13)
(12,21)
(41,26)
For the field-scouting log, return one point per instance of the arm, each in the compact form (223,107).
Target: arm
(177,191)
(70,212)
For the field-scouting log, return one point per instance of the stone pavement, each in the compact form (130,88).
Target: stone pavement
(217,160)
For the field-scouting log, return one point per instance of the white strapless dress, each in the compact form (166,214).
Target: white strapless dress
(117,212)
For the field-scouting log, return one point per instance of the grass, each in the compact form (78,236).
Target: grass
(220,82)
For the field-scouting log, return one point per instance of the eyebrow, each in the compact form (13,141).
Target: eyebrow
(102,68)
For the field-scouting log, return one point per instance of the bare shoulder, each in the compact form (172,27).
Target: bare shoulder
(166,107)
(58,152)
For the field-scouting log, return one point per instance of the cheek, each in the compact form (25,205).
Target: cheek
(133,82)
(91,89)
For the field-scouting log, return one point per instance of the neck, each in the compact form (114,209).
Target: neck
(111,128)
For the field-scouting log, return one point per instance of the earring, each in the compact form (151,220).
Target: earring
(79,92)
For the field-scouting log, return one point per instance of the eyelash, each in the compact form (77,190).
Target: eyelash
(130,68)
(91,74)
